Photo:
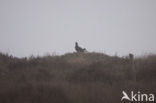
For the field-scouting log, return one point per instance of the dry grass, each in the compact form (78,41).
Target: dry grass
(73,78)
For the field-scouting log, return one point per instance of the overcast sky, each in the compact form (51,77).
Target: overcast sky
(52,26)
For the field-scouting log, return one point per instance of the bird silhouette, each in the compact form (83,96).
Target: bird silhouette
(78,48)
(125,96)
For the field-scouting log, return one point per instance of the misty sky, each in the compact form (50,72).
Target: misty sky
(52,26)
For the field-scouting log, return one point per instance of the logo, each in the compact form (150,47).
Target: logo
(137,96)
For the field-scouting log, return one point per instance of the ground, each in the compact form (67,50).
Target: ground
(74,78)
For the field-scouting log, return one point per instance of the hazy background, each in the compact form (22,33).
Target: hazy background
(52,26)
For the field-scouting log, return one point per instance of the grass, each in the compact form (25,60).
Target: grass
(73,78)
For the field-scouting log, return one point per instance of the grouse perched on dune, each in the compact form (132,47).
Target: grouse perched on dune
(79,49)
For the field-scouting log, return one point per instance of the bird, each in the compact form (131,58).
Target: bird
(78,48)
(125,96)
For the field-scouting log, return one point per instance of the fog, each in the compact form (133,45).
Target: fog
(40,27)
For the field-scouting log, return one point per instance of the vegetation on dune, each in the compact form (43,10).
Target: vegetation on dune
(73,78)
